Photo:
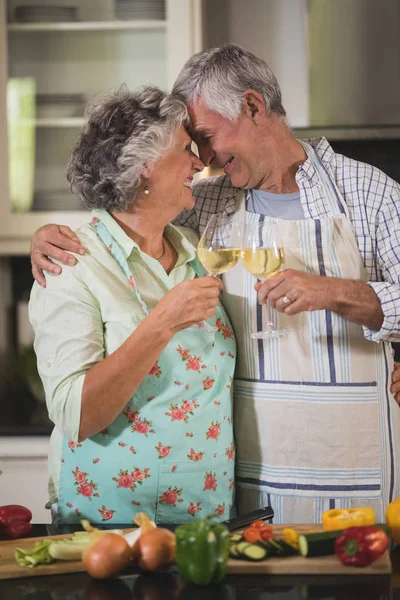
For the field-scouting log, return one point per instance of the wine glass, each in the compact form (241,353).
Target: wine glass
(219,248)
(263,256)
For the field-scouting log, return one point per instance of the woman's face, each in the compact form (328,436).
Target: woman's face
(172,176)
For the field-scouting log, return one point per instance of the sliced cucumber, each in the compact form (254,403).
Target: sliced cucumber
(254,552)
(233,551)
(241,547)
(317,544)
(236,537)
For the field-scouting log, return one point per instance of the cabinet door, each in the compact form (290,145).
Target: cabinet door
(23,475)
(49,71)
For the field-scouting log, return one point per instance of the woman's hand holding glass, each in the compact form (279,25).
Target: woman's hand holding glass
(188,303)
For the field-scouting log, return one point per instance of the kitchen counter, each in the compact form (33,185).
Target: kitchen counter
(168,586)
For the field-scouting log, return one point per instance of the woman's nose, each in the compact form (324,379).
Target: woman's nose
(197,163)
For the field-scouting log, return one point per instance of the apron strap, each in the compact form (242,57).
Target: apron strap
(119,257)
(333,195)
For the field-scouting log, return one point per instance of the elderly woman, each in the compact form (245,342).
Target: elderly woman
(140,400)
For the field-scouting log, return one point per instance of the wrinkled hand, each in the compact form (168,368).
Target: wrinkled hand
(395,388)
(305,292)
(189,302)
(52,240)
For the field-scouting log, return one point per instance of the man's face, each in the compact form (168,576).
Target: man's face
(230,145)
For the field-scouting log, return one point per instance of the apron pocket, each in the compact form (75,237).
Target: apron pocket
(184,489)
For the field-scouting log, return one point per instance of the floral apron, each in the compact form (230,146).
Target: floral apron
(170,453)
(316,426)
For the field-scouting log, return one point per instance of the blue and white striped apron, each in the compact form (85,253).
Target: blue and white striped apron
(316,426)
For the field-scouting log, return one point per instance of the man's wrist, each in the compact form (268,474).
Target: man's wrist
(337,299)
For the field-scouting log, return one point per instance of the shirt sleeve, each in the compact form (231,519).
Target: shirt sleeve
(69,341)
(388,263)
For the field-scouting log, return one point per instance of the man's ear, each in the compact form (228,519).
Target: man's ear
(253,105)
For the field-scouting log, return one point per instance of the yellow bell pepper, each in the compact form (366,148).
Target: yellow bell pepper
(342,518)
(291,536)
(393,519)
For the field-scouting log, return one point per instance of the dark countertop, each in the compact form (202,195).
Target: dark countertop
(168,586)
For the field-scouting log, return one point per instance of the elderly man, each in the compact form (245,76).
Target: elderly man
(316,424)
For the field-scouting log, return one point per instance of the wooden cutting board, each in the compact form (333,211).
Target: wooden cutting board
(324,565)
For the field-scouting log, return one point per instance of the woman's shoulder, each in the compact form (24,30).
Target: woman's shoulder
(94,259)
(192,236)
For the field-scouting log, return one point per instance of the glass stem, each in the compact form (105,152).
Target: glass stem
(269,310)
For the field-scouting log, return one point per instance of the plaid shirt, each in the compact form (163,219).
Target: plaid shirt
(373,203)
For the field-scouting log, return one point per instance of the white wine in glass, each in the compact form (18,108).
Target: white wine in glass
(218,260)
(219,248)
(263,256)
(263,262)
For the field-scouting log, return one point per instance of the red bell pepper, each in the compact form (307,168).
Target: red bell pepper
(15,521)
(361,546)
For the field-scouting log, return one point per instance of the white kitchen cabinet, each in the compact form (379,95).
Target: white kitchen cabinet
(23,474)
(89,56)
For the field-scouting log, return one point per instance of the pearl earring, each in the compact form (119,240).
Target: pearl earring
(146,189)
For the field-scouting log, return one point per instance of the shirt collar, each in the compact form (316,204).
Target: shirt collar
(185,249)
(305,171)
(127,245)
(123,240)
(325,153)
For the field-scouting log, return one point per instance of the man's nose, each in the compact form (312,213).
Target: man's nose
(206,153)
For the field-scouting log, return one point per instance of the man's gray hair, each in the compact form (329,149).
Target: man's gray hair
(124,132)
(220,76)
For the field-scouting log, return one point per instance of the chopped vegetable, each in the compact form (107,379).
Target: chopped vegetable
(15,521)
(266,533)
(39,555)
(317,544)
(72,548)
(254,552)
(291,536)
(341,518)
(393,519)
(251,535)
(361,546)
(202,549)
(257,524)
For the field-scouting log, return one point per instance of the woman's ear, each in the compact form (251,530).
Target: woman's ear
(145,172)
(253,105)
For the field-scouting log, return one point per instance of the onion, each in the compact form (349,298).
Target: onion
(155,548)
(107,557)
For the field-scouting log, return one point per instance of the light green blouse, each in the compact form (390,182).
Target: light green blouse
(73,300)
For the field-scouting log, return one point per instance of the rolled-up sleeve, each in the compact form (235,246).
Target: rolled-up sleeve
(69,340)
(388,264)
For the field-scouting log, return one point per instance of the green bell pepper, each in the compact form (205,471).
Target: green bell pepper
(202,550)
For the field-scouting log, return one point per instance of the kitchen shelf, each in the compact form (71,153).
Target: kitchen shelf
(88,26)
(63,122)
